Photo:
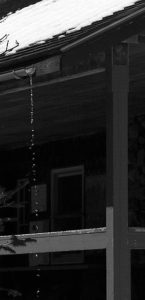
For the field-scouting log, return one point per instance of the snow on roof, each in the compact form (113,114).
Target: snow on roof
(48,18)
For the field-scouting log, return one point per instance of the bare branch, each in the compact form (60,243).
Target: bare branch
(4,38)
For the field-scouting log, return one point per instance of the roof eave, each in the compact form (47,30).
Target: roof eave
(105,29)
(29,56)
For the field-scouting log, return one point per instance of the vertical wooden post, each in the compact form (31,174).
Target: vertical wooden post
(118,255)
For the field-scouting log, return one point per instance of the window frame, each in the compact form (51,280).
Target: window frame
(60,173)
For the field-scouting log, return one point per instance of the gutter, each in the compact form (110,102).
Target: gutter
(103,30)
(58,80)
(27,58)
(17,74)
(45,67)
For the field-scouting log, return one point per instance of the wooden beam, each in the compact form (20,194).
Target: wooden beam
(85,239)
(118,254)
(57,80)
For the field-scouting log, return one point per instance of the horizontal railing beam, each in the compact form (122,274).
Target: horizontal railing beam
(86,239)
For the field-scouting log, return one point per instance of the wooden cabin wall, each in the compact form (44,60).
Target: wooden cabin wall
(89,151)
(136,171)
(61,282)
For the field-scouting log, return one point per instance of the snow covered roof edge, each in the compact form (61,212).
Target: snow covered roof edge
(55,21)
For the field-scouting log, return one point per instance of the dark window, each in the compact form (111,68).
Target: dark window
(67,198)
(69,194)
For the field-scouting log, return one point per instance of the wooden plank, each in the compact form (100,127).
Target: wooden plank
(52,81)
(85,239)
(118,276)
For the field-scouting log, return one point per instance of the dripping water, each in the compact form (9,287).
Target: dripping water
(32,141)
(33,168)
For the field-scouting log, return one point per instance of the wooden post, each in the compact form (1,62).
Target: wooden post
(118,254)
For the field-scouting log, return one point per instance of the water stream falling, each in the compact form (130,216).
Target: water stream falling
(32,141)
(33,170)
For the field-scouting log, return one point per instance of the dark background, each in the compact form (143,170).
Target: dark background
(7,6)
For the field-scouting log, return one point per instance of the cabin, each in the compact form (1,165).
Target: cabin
(72,150)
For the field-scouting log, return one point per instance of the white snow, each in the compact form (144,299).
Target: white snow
(43,20)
